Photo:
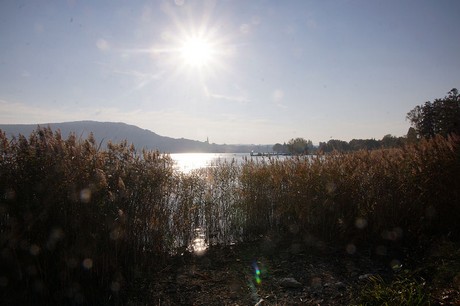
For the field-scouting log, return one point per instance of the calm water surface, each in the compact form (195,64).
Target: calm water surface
(187,162)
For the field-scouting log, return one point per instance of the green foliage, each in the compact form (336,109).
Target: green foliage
(404,290)
(280,148)
(299,146)
(442,116)
(335,145)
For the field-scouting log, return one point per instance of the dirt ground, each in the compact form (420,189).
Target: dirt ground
(230,277)
(262,273)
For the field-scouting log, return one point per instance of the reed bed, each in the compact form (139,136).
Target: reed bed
(399,194)
(77,222)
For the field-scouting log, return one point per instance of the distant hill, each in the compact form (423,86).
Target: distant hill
(141,138)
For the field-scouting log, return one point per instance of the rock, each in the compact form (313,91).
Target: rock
(340,286)
(289,282)
(364,276)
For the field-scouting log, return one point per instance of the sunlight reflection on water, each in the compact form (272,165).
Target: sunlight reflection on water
(199,244)
(187,162)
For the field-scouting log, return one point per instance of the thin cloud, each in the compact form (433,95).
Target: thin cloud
(142,77)
(222,128)
(240,99)
(131,72)
(137,74)
(102,44)
(19,113)
(278,97)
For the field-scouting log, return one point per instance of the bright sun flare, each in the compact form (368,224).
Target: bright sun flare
(197,52)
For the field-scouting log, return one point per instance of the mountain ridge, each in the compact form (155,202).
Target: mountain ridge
(141,138)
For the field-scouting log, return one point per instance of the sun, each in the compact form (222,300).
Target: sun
(194,48)
(197,52)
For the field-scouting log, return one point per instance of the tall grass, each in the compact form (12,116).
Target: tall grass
(72,214)
(78,223)
(390,194)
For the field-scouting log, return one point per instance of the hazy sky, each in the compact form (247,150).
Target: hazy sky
(259,71)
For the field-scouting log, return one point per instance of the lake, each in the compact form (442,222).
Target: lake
(187,162)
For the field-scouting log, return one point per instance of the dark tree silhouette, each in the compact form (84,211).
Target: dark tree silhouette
(442,116)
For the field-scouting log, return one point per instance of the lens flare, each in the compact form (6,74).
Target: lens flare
(257,273)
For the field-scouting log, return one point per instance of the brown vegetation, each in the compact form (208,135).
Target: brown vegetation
(78,222)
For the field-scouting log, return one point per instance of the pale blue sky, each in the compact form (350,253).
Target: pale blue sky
(279,69)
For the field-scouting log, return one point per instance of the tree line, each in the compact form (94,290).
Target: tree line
(440,117)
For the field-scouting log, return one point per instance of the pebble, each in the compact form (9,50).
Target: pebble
(289,282)
(364,276)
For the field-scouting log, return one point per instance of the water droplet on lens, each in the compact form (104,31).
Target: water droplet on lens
(87,263)
(34,249)
(361,223)
(85,195)
(115,286)
(351,248)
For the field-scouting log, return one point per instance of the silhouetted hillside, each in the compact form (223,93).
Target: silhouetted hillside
(141,138)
